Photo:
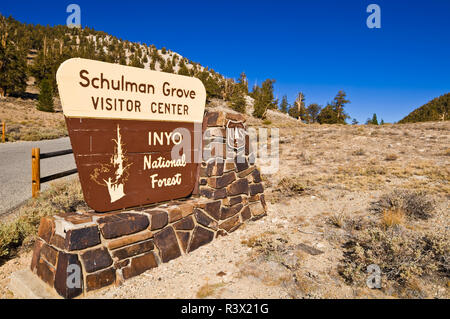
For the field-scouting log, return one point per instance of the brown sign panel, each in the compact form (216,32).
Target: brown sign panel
(136,134)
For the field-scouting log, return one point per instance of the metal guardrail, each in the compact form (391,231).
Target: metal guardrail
(36,179)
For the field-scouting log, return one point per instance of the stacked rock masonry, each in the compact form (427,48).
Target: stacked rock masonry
(83,251)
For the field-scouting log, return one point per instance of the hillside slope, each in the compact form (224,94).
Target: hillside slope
(437,109)
(39,50)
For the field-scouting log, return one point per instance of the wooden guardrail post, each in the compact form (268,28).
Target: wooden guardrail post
(3,131)
(35,172)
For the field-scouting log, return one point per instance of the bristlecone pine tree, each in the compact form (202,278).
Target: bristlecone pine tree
(243,83)
(45,99)
(238,100)
(284,105)
(334,113)
(298,109)
(183,70)
(264,99)
(327,115)
(313,111)
(338,105)
(12,61)
(374,119)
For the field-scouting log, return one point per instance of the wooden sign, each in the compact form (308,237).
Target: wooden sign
(136,134)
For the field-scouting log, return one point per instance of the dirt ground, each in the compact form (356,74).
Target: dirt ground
(320,223)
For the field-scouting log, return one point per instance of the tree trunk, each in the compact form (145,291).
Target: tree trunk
(45,47)
(4,38)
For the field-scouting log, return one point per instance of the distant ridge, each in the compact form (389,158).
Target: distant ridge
(437,109)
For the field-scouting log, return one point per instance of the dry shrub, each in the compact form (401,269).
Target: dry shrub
(304,284)
(287,187)
(60,197)
(402,255)
(277,263)
(266,246)
(290,186)
(415,204)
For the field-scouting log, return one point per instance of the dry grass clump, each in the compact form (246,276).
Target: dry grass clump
(306,159)
(393,217)
(371,170)
(61,197)
(415,204)
(337,220)
(208,290)
(403,255)
(359,152)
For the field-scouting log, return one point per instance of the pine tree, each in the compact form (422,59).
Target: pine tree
(136,62)
(168,68)
(162,64)
(238,102)
(211,85)
(355,121)
(328,115)
(264,98)
(267,92)
(45,99)
(183,70)
(298,109)
(313,111)
(338,106)
(259,107)
(284,106)
(228,87)
(13,68)
(374,120)
(382,122)
(243,83)
(122,60)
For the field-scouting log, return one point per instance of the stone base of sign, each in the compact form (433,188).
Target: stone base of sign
(79,252)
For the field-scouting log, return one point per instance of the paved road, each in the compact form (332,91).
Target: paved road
(15,169)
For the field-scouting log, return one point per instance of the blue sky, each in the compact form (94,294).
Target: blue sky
(314,46)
